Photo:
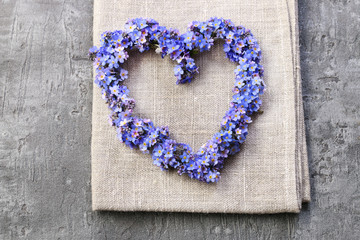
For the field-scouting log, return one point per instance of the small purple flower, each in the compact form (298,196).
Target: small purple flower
(238,131)
(238,48)
(191,165)
(113,63)
(234,149)
(221,33)
(203,27)
(184,157)
(157,161)
(238,98)
(211,176)
(217,138)
(122,56)
(115,90)
(135,35)
(211,146)
(178,70)
(230,125)
(217,23)
(123,74)
(188,37)
(141,23)
(144,147)
(168,153)
(252,67)
(190,64)
(158,151)
(227,136)
(173,47)
(230,35)
(130,26)
(124,42)
(200,41)
(205,160)
(189,45)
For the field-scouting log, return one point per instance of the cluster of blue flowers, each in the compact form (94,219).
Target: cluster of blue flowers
(143,34)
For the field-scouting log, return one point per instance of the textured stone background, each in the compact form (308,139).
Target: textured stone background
(45,122)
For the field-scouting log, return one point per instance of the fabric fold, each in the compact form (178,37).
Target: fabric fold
(269,175)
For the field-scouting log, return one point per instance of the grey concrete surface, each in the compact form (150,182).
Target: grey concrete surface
(45,122)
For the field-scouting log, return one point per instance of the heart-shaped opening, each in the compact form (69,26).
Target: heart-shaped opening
(192,112)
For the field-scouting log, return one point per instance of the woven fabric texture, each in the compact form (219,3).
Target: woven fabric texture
(269,175)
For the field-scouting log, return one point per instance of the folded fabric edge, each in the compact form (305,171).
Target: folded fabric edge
(305,161)
(303,182)
(304,154)
(97,206)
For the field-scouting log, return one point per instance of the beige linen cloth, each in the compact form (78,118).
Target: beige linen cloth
(269,175)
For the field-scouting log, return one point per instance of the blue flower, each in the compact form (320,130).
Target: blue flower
(221,33)
(214,158)
(188,37)
(237,49)
(190,64)
(241,137)
(141,23)
(191,165)
(168,153)
(245,90)
(174,55)
(212,176)
(250,40)
(230,125)
(238,70)
(238,98)
(189,45)
(217,138)
(178,70)
(130,26)
(205,160)
(124,43)
(172,47)
(135,35)
(211,146)
(158,151)
(115,90)
(235,115)
(113,63)
(230,35)
(227,136)
(122,56)
(252,67)
(144,146)
(254,89)
(157,161)
(217,23)
(234,149)
(184,158)
(195,24)
(203,27)
(200,41)
(123,74)
(227,47)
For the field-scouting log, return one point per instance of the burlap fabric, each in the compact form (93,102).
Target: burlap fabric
(269,175)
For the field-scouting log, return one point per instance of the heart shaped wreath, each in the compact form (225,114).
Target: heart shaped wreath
(240,46)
